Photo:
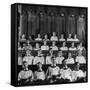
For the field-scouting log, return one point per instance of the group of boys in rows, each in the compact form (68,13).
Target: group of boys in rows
(31,60)
(52,38)
(53,73)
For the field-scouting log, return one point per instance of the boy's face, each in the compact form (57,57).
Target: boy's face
(75,36)
(53,43)
(23,36)
(46,36)
(28,53)
(69,55)
(80,53)
(37,45)
(51,52)
(28,42)
(53,61)
(82,16)
(64,64)
(69,35)
(39,53)
(24,45)
(45,43)
(29,37)
(38,35)
(39,65)
(72,44)
(60,53)
(63,44)
(25,65)
(80,44)
(54,34)
(62,36)
(77,66)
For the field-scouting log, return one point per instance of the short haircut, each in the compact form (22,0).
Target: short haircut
(76,63)
(24,62)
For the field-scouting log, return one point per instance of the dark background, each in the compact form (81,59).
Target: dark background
(34,19)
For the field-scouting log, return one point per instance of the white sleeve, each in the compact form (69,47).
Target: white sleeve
(24,59)
(31,73)
(48,72)
(19,76)
(76,59)
(84,60)
(58,70)
(47,47)
(57,39)
(36,39)
(46,60)
(43,60)
(41,47)
(74,76)
(51,38)
(73,60)
(61,72)
(34,60)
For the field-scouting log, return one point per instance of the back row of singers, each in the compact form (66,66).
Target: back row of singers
(53,47)
(53,74)
(53,38)
(31,60)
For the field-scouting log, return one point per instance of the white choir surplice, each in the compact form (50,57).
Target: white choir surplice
(48,60)
(54,47)
(78,74)
(36,49)
(69,39)
(54,38)
(28,59)
(72,48)
(81,59)
(66,73)
(64,48)
(25,74)
(80,48)
(61,39)
(39,75)
(44,47)
(38,39)
(59,59)
(20,60)
(38,59)
(76,40)
(70,60)
(53,70)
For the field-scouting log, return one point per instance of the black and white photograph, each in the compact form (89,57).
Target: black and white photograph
(51,44)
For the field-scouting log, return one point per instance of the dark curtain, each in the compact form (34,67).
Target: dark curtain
(81,28)
(60,25)
(24,24)
(42,23)
(34,22)
(49,24)
(29,24)
(71,25)
(45,24)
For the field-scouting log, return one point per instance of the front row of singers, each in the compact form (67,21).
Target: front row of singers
(52,38)
(31,60)
(53,74)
